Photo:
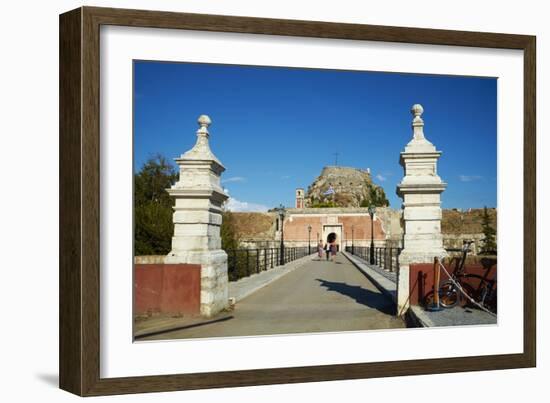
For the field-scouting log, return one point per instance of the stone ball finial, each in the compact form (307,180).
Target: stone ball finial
(204,121)
(417,110)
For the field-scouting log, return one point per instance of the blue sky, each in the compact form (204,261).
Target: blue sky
(275,128)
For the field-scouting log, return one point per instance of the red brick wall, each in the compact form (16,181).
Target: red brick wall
(421,278)
(361,227)
(167,288)
(296,230)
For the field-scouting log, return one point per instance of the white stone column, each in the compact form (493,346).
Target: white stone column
(197,219)
(420,190)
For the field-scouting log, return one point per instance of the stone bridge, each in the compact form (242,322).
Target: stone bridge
(319,295)
(312,296)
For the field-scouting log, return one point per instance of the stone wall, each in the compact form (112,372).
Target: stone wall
(456,241)
(341,223)
(149,259)
(258,230)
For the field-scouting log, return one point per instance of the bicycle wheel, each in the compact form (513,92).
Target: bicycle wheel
(448,295)
(429,299)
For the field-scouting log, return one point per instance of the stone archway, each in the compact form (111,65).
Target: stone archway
(334,229)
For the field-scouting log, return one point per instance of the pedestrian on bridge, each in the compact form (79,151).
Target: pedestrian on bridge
(333,250)
(320,249)
(326,248)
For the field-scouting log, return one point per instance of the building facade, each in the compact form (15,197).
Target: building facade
(351,226)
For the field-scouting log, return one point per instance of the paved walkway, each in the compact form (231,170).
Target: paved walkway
(457,316)
(320,296)
(386,284)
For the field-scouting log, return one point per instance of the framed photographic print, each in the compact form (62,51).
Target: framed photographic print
(250,201)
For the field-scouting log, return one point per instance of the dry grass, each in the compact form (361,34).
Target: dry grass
(466,222)
(254,225)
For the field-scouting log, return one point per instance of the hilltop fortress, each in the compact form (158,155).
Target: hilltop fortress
(352,187)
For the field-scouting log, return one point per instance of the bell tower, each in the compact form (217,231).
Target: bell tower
(300,198)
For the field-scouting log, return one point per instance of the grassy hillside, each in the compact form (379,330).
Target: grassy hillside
(466,222)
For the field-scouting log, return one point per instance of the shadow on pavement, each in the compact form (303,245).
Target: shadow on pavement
(176,328)
(360,295)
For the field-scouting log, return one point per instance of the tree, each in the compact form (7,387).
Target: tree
(237,258)
(322,204)
(153,227)
(377,198)
(489,235)
(150,183)
(228,231)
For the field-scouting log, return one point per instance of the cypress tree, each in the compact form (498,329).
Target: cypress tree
(489,233)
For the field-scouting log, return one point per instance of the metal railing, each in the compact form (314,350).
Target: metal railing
(385,257)
(245,262)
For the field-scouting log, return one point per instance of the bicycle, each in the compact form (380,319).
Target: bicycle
(458,288)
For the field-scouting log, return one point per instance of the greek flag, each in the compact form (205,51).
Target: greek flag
(330,191)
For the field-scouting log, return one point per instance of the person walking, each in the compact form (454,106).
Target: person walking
(333,250)
(327,250)
(320,249)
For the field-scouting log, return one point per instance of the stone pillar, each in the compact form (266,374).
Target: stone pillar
(420,190)
(197,219)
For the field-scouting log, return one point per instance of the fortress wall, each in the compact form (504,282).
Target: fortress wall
(258,230)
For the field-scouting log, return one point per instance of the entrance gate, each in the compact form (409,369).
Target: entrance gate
(337,229)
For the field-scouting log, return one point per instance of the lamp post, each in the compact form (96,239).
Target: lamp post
(372,210)
(309,239)
(281,211)
(352,241)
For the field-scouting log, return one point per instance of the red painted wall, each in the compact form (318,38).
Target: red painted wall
(167,288)
(297,229)
(421,278)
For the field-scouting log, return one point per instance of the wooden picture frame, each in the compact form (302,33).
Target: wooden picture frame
(80,197)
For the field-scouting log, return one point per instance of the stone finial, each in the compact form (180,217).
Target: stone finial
(204,121)
(201,149)
(418,124)
(417,110)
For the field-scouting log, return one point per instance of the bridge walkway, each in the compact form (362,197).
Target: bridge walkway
(320,296)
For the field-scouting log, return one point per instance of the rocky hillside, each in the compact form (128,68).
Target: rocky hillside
(353,188)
